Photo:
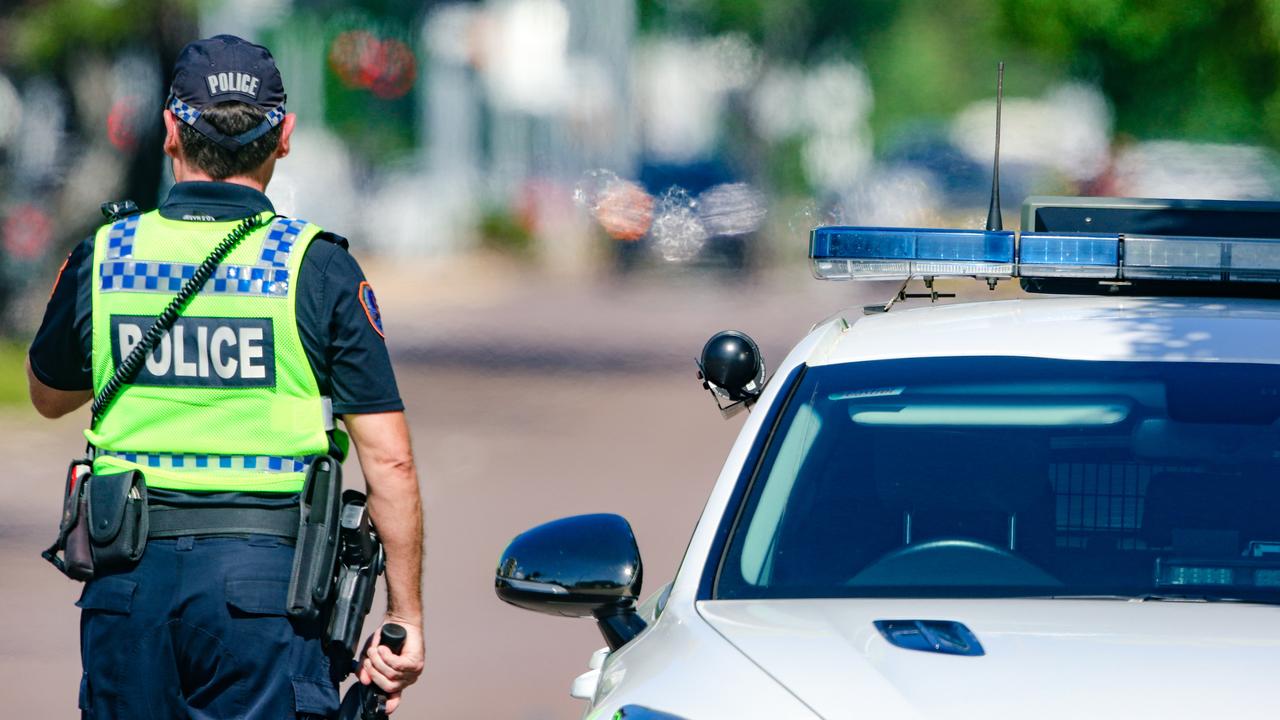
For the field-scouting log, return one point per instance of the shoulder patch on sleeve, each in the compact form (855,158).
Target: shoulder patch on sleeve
(370,305)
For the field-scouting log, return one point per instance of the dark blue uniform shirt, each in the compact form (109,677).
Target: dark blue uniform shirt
(346,352)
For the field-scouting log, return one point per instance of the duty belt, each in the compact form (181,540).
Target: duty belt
(171,522)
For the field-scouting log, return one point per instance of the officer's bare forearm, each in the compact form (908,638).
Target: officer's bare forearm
(395,504)
(51,402)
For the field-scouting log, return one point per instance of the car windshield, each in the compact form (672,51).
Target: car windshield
(1016,477)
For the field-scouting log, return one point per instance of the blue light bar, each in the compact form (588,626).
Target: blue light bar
(868,253)
(1085,255)
(879,253)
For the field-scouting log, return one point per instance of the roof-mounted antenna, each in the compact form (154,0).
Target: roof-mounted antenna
(994,221)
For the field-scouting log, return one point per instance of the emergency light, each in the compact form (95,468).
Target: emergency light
(857,253)
(866,253)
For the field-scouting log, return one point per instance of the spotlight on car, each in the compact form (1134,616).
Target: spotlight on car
(732,369)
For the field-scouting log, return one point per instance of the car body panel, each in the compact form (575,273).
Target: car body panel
(681,665)
(1075,328)
(1044,658)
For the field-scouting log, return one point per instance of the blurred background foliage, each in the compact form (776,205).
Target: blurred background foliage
(593,138)
(44,34)
(1203,69)
(1200,69)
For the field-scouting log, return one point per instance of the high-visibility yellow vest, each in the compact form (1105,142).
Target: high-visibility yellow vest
(228,400)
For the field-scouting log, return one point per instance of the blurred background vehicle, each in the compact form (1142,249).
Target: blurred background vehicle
(559,199)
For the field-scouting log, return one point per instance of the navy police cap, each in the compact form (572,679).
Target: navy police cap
(221,69)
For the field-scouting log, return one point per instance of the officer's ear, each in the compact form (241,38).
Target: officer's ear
(286,132)
(172,139)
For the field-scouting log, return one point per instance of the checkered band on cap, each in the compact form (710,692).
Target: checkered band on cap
(120,237)
(254,463)
(275,115)
(189,114)
(185,112)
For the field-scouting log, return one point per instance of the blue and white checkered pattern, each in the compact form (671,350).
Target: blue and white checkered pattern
(269,277)
(165,277)
(120,237)
(281,238)
(254,463)
(185,112)
(189,115)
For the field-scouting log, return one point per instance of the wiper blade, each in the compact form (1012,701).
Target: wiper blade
(1164,597)
(1079,597)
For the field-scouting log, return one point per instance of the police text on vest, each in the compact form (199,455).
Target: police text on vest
(201,351)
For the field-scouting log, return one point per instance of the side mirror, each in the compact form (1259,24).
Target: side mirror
(581,566)
(732,368)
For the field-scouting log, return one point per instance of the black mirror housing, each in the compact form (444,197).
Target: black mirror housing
(581,566)
(577,567)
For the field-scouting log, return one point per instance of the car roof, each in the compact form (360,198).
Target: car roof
(1074,328)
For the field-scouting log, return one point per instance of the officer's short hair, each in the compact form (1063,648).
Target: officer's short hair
(230,118)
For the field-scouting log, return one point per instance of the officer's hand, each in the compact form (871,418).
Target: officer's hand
(393,673)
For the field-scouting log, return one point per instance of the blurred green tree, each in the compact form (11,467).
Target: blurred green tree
(41,35)
(369,53)
(1199,69)
(1194,69)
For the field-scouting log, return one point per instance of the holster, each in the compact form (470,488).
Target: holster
(316,550)
(104,522)
(76,560)
(336,560)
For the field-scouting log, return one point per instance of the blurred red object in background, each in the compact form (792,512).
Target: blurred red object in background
(27,232)
(385,67)
(624,210)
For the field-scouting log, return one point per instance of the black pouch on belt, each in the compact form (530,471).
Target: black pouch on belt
(117,510)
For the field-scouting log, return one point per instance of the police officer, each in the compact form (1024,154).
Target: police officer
(226,414)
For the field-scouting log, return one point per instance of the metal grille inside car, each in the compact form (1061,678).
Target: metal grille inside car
(1093,498)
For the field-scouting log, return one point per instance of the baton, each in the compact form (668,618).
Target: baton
(369,702)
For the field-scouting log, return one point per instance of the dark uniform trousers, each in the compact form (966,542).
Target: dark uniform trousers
(198,630)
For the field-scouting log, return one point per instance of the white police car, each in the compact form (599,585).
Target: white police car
(1060,507)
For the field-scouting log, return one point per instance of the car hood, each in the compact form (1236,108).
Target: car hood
(1043,658)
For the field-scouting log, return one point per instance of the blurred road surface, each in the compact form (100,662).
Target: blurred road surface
(530,398)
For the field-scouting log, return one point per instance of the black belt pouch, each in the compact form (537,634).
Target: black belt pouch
(117,510)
